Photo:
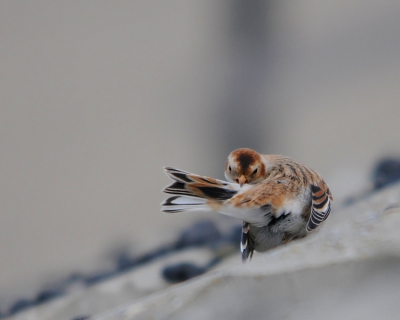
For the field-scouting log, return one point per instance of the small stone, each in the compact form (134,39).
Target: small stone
(48,294)
(386,172)
(182,271)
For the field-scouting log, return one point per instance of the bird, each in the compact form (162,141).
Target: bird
(278,199)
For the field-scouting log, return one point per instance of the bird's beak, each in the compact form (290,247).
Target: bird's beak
(242,180)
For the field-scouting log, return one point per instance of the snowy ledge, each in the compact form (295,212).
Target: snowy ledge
(349,270)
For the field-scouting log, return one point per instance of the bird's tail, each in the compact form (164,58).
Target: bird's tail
(195,193)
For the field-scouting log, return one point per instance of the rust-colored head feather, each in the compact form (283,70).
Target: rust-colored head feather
(245,166)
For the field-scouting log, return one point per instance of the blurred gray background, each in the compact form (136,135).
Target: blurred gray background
(97,96)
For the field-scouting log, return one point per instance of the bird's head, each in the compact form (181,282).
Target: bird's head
(245,166)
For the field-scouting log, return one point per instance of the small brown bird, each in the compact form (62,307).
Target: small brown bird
(278,199)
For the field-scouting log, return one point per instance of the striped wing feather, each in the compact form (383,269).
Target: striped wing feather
(321,205)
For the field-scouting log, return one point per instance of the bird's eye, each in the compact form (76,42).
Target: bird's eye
(255,171)
(230,169)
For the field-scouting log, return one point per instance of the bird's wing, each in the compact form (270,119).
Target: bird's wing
(321,204)
(269,192)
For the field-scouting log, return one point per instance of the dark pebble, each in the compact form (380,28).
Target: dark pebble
(199,234)
(386,172)
(182,271)
(20,305)
(47,295)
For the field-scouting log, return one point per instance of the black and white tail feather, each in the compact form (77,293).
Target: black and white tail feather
(195,193)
